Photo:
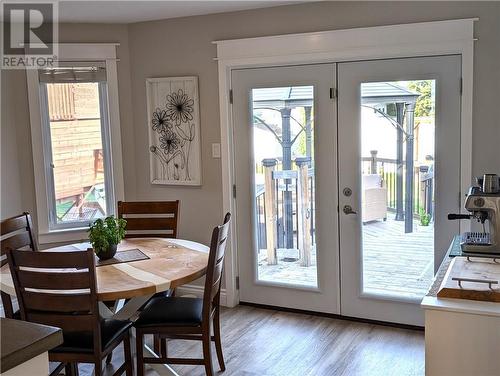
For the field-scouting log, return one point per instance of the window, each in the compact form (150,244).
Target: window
(76,140)
(75,124)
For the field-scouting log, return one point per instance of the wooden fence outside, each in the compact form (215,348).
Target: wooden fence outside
(75,127)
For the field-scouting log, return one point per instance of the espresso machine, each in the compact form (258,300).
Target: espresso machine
(483,203)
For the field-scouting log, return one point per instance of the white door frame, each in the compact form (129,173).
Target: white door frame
(380,42)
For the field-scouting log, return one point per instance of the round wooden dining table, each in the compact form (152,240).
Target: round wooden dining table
(170,263)
(166,264)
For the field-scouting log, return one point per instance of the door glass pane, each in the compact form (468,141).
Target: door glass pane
(397,187)
(283,154)
(77,152)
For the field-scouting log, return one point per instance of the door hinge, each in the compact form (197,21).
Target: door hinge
(461,85)
(234,190)
(333,92)
(237,283)
(231,96)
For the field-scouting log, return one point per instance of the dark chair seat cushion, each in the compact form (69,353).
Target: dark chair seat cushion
(166,293)
(83,342)
(171,311)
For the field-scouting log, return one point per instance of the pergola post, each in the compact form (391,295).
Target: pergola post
(287,165)
(270,210)
(410,113)
(303,204)
(428,197)
(308,131)
(373,167)
(400,109)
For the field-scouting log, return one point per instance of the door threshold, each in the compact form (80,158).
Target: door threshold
(334,316)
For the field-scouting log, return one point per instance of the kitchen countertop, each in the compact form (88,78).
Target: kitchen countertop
(431,301)
(443,268)
(22,341)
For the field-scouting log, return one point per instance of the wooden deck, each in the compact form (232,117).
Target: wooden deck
(394,263)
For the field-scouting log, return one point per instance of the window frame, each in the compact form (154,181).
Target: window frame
(49,162)
(48,229)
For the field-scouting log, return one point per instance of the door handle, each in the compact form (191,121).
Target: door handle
(348,210)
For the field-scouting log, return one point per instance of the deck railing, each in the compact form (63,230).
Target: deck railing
(285,216)
(423,182)
(290,204)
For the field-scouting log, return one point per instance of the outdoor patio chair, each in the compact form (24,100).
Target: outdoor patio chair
(374,200)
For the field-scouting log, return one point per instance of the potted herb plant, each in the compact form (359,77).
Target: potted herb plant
(105,235)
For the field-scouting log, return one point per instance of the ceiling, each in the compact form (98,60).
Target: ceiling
(119,11)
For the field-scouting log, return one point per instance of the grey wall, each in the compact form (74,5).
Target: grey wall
(13,97)
(183,47)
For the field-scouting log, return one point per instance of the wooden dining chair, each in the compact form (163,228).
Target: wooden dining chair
(59,289)
(188,318)
(150,218)
(15,233)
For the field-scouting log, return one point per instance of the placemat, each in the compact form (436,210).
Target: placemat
(128,255)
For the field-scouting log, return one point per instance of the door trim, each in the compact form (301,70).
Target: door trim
(380,42)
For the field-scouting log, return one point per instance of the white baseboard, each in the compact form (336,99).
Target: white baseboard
(197,291)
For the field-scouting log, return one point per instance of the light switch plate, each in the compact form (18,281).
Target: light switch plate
(216,150)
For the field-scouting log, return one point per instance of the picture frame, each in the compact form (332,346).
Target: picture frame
(173,120)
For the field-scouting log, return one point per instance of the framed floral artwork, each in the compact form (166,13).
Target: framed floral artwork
(174,130)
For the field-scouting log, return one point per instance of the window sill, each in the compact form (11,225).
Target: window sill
(64,235)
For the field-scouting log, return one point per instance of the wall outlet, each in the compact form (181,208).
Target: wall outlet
(216,150)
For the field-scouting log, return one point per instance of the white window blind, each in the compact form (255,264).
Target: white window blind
(74,72)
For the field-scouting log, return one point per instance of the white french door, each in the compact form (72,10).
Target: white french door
(399,176)
(286,188)
(346,212)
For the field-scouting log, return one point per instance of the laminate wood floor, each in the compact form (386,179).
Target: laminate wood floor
(261,342)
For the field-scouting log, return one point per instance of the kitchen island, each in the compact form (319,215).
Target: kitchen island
(25,347)
(462,337)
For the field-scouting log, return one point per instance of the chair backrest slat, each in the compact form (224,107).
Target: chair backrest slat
(56,260)
(150,218)
(16,241)
(57,288)
(215,266)
(38,301)
(15,233)
(67,322)
(52,280)
(150,223)
(217,278)
(13,224)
